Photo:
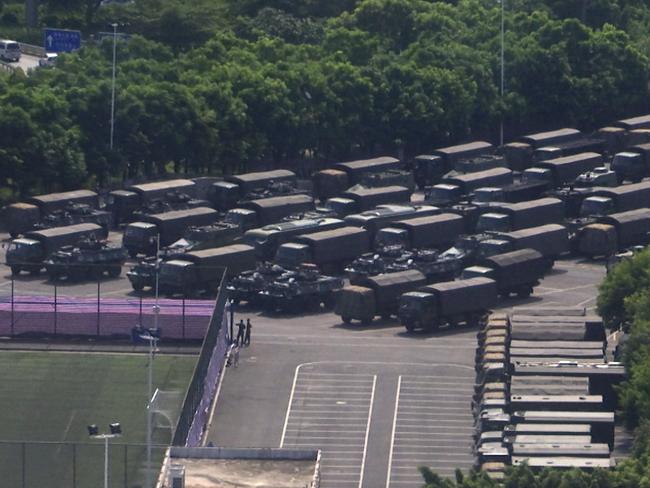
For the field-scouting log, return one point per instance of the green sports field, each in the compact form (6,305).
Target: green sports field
(47,398)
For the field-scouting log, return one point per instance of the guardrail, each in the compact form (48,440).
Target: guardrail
(32,50)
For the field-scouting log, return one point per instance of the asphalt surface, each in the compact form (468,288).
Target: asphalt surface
(378,402)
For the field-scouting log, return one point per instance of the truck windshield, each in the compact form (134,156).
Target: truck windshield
(384,239)
(441,194)
(13,46)
(492,222)
(290,255)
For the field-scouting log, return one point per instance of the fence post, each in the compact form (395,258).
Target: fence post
(183,325)
(126,465)
(23,464)
(74,465)
(56,298)
(98,285)
(12,306)
(140,318)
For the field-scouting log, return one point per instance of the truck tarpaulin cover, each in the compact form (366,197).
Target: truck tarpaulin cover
(388,287)
(633,227)
(549,240)
(464,296)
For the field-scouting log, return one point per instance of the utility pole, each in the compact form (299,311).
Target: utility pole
(114,25)
(502,69)
(31,13)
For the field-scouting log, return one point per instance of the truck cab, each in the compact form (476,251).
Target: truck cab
(292,254)
(24,253)
(443,194)
(538,175)
(486,195)
(477,272)
(392,237)
(225,195)
(176,275)
(140,238)
(428,169)
(492,247)
(491,221)
(416,309)
(341,206)
(246,219)
(628,166)
(596,206)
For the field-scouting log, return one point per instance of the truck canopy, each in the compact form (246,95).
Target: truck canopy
(389,287)
(433,230)
(336,245)
(533,212)
(495,177)
(452,154)
(541,139)
(356,169)
(171,225)
(248,182)
(632,227)
(367,198)
(550,240)
(516,267)
(58,201)
(157,189)
(56,237)
(627,197)
(237,257)
(383,215)
(274,209)
(577,146)
(464,296)
(567,169)
(640,122)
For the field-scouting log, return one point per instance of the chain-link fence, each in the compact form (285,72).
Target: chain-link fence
(53,311)
(74,465)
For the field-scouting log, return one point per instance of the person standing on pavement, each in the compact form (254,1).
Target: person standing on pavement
(247,337)
(240,333)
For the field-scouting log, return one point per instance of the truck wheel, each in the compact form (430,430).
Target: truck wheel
(329,302)
(385,316)
(34,271)
(346,319)
(14,235)
(133,254)
(410,326)
(114,271)
(137,286)
(15,270)
(525,293)
(366,320)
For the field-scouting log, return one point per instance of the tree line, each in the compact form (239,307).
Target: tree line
(290,83)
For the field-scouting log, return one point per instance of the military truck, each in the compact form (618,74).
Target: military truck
(519,154)
(168,227)
(267,239)
(507,217)
(603,201)
(383,215)
(360,199)
(201,271)
(30,252)
(550,240)
(143,273)
(614,232)
(300,289)
(640,122)
(331,182)
(564,170)
(172,200)
(124,203)
(570,148)
(236,188)
(432,231)
(451,190)
(389,177)
(515,272)
(376,295)
(257,213)
(22,217)
(330,250)
(87,259)
(514,193)
(633,164)
(452,302)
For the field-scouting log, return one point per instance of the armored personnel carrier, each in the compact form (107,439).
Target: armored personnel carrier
(75,213)
(247,285)
(143,274)
(302,289)
(89,258)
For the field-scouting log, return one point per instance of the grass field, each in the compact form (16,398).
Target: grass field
(52,397)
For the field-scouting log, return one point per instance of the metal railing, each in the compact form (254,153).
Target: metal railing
(7,67)
(32,50)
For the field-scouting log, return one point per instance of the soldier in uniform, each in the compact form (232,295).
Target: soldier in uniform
(240,333)
(247,337)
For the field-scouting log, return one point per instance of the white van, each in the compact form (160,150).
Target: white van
(9,50)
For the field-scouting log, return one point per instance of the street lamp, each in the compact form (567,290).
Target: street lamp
(502,2)
(115,431)
(114,26)
(150,335)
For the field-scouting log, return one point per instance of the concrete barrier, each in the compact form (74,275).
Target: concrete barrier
(6,67)
(259,453)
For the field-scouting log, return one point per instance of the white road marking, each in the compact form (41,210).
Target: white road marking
(286,418)
(392,436)
(365,445)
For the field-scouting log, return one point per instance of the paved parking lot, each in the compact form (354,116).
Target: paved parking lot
(419,413)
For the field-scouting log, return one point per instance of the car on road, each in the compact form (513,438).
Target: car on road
(9,50)
(48,61)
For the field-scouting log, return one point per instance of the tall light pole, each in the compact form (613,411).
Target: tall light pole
(114,25)
(116,431)
(153,340)
(502,68)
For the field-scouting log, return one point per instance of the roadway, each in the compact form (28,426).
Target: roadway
(26,62)
(377,401)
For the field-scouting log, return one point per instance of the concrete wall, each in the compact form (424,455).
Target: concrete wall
(243,453)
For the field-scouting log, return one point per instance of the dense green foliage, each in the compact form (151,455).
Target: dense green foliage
(624,298)
(217,85)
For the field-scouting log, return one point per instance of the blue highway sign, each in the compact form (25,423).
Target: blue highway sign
(61,40)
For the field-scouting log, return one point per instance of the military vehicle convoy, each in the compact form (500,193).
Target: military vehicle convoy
(30,252)
(54,210)
(87,259)
(613,232)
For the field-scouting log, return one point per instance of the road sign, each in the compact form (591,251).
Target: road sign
(61,40)
(120,36)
